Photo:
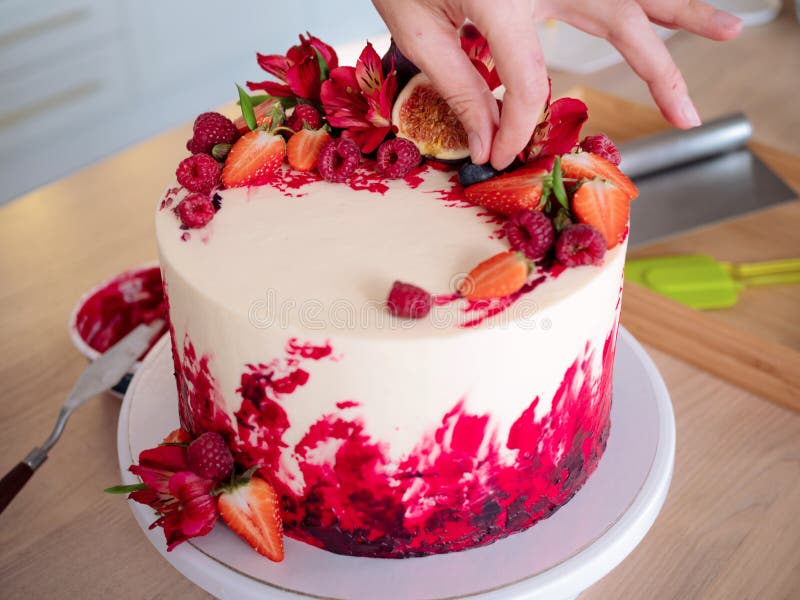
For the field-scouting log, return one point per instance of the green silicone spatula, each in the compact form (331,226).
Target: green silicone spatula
(702,282)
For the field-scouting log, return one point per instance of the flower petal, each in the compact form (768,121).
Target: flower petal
(303,78)
(272,88)
(199,515)
(186,486)
(369,71)
(274,64)
(328,53)
(168,458)
(559,131)
(341,97)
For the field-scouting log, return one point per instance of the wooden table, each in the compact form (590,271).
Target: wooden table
(729,528)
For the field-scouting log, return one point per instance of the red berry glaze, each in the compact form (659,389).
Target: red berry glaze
(408,301)
(580,244)
(602,146)
(397,158)
(530,232)
(210,129)
(209,456)
(307,113)
(196,211)
(338,159)
(198,173)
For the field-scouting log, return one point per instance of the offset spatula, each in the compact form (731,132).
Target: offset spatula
(98,377)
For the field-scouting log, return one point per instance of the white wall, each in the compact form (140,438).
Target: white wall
(82,79)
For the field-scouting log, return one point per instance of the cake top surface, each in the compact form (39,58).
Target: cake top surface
(319,256)
(343,199)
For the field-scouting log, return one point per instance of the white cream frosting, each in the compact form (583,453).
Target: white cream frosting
(336,249)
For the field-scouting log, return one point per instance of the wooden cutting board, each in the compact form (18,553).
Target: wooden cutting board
(756,344)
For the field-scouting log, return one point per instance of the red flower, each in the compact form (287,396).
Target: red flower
(477,48)
(558,132)
(299,70)
(182,499)
(359,100)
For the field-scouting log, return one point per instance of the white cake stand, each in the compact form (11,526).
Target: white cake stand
(554,560)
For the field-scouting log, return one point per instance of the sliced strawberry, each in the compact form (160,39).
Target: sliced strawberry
(251,510)
(253,159)
(263,116)
(499,276)
(512,192)
(304,146)
(585,165)
(603,205)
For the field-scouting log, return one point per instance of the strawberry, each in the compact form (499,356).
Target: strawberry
(263,116)
(253,159)
(251,510)
(499,276)
(512,192)
(606,207)
(304,146)
(586,165)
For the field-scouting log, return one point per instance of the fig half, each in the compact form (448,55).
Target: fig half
(422,116)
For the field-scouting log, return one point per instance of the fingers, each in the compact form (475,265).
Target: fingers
(512,37)
(433,45)
(627,27)
(694,16)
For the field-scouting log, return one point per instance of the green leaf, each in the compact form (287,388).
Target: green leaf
(246,103)
(125,489)
(561,220)
(558,184)
(324,72)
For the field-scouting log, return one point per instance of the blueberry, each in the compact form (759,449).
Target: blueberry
(471,173)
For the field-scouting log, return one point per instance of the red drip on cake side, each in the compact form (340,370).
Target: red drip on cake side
(130,299)
(458,489)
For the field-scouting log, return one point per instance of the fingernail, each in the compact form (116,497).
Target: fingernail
(725,20)
(690,113)
(475,146)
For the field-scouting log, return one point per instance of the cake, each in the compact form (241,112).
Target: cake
(384,432)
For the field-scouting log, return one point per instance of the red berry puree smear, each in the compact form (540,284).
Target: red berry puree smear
(453,491)
(130,299)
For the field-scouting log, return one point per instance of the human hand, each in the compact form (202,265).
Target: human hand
(426,31)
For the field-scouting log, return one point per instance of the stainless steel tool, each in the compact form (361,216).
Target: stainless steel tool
(691,178)
(98,377)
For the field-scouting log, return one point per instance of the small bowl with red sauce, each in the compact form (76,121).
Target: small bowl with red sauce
(113,308)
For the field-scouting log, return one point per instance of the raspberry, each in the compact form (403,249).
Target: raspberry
(531,233)
(338,159)
(196,211)
(602,146)
(307,113)
(198,173)
(209,456)
(211,129)
(408,301)
(580,244)
(397,158)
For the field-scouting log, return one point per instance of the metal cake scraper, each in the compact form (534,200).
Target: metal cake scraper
(691,178)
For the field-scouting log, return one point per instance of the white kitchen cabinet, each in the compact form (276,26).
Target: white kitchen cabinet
(81,79)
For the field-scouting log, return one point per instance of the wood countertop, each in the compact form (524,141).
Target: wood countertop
(729,528)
